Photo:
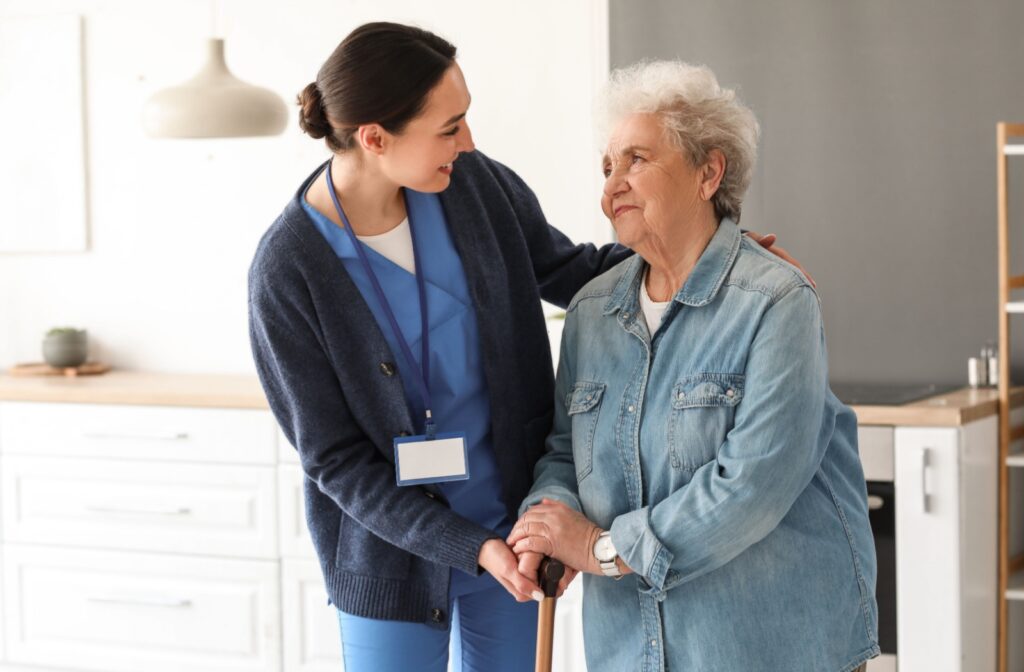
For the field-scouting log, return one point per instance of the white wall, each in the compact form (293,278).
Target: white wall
(173,223)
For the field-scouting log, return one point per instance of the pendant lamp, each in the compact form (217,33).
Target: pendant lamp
(214,104)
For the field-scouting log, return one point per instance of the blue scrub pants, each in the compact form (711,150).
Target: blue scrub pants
(489,632)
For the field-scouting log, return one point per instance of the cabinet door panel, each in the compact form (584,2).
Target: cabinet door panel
(312,640)
(927,543)
(294,534)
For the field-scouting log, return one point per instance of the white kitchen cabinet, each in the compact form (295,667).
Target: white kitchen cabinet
(152,538)
(293,533)
(139,538)
(946,492)
(312,641)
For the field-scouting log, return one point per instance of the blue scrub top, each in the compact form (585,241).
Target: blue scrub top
(457,386)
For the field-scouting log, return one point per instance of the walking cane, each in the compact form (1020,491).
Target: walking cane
(549,574)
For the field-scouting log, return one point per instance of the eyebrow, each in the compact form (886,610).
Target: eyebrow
(627,150)
(453,119)
(457,117)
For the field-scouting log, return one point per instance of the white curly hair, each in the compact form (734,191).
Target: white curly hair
(697,113)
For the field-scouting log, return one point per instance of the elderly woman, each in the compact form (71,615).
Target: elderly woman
(697,452)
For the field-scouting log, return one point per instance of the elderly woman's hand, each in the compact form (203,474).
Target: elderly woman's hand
(768,243)
(529,565)
(552,528)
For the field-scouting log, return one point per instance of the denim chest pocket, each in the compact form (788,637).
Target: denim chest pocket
(584,404)
(703,405)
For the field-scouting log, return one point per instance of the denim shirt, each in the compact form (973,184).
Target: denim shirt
(724,467)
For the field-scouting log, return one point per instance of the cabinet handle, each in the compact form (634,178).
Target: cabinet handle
(169,436)
(875,502)
(924,479)
(179,511)
(166,602)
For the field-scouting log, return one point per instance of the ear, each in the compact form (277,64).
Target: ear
(372,138)
(712,173)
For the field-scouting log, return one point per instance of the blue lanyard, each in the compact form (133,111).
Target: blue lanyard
(423,380)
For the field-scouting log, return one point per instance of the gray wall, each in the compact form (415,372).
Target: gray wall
(877,164)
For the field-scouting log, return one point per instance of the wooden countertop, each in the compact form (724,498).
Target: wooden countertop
(945,410)
(139,388)
(243,391)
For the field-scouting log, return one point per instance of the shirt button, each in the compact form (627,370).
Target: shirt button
(436,615)
(730,393)
(680,395)
(625,316)
(654,642)
(387,368)
(631,408)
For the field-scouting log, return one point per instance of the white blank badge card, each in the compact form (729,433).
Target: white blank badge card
(419,460)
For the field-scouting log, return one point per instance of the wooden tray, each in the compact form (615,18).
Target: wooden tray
(42,369)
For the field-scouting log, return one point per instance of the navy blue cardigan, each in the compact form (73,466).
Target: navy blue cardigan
(330,378)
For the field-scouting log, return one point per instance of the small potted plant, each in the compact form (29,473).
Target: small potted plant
(65,347)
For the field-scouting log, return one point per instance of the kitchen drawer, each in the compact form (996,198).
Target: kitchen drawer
(129,612)
(154,506)
(138,432)
(293,533)
(312,640)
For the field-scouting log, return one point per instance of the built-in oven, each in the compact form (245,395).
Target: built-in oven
(878,458)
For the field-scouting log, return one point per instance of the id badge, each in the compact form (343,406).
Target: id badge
(421,460)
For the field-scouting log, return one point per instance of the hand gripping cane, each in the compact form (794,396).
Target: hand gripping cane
(548,576)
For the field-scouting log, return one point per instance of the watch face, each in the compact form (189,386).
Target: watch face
(604,549)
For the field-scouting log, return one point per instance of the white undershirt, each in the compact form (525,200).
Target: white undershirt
(394,245)
(654,311)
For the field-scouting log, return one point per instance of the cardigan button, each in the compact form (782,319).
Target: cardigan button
(387,368)
(436,615)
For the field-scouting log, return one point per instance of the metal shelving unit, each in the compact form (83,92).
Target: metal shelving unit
(1011,566)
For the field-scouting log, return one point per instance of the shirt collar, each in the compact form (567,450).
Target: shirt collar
(704,280)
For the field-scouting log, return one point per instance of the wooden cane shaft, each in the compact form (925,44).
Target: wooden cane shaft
(545,634)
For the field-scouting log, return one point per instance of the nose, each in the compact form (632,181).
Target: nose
(464,139)
(615,184)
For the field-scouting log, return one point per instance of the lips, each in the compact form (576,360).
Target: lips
(623,208)
(447,168)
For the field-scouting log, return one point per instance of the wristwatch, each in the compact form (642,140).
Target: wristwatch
(604,551)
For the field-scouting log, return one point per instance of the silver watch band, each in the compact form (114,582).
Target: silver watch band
(608,567)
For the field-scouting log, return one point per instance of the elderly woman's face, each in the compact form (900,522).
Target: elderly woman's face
(650,185)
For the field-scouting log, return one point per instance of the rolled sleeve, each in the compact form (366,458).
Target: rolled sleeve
(640,548)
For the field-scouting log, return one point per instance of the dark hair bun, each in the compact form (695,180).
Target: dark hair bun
(312,119)
(381,73)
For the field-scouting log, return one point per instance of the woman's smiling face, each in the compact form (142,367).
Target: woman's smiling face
(421,156)
(650,184)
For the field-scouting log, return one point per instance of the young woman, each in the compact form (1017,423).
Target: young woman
(396,325)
